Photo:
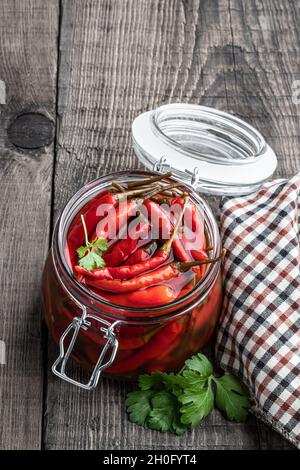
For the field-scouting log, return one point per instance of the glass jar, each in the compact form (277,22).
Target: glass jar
(133,336)
(125,342)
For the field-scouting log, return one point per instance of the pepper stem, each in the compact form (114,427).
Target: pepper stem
(118,187)
(166,248)
(149,180)
(87,243)
(152,193)
(185,266)
(161,200)
(136,192)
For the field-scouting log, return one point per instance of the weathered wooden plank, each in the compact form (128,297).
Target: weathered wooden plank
(265,64)
(28,62)
(117,59)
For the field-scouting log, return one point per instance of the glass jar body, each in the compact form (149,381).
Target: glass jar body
(160,339)
(163,345)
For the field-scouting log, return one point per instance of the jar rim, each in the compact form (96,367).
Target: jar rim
(86,297)
(251,143)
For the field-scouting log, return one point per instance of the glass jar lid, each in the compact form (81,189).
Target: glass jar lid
(215,152)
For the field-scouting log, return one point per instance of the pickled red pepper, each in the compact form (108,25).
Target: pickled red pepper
(150,297)
(142,254)
(164,338)
(143,271)
(160,275)
(107,202)
(126,246)
(165,226)
(127,272)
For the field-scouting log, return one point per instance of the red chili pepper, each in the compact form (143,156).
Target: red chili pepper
(159,276)
(142,254)
(194,235)
(161,341)
(128,271)
(150,297)
(163,225)
(75,236)
(109,226)
(180,252)
(110,202)
(128,285)
(165,228)
(114,221)
(200,255)
(199,239)
(126,246)
(167,357)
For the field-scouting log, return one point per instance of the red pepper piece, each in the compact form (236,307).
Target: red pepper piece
(161,341)
(162,225)
(180,252)
(199,254)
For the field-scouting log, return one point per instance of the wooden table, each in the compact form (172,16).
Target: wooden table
(74,74)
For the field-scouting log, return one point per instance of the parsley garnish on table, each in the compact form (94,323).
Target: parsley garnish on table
(90,254)
(177,402)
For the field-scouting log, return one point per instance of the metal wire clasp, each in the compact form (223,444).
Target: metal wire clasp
(195,177)
(107,329)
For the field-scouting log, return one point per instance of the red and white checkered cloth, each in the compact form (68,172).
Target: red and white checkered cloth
(259,333)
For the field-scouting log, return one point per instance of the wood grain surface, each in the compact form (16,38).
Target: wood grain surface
(28,64)
(114,59)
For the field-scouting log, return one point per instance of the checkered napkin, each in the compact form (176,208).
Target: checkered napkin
(259,332)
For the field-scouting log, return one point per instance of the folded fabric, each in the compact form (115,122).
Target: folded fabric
(258,338)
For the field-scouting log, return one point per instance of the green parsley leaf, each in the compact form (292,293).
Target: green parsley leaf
(139,406)
(172,382)
(154,380)
(178,426)
(91,261)
(100,243)
(231,397)
(201,364)
(81,251)
(191,378)
(90,255)
(165,414)
(197,404)
(174,402)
